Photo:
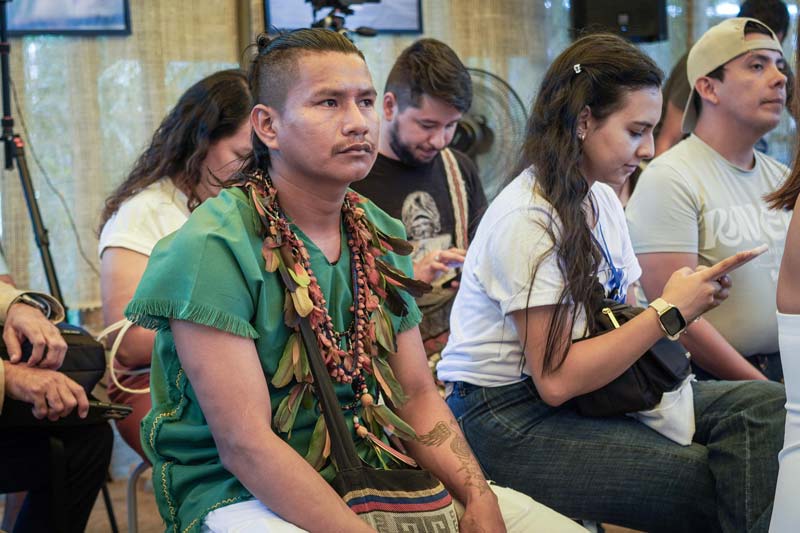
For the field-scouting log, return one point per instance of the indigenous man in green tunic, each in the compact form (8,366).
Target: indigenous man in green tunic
(235,434)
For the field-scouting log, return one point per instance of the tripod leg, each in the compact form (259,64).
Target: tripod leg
(110,508)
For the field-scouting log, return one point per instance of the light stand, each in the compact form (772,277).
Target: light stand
(15,152)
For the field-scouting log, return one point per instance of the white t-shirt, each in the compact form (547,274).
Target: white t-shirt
(693,200)
(484,348)
(145,218)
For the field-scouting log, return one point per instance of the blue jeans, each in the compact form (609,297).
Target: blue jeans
(619,471)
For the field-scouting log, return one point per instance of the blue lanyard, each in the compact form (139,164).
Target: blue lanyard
(614,284)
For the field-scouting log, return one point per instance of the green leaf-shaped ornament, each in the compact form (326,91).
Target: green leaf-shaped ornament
(384,332)
(299,275)
(302,302)
(393,423)
(285,370)
(387,380)
(319,447)
(300,361)
(287,410)
(290,316)
(271,259)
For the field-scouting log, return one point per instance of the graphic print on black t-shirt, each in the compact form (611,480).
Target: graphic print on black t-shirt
(423,223)
(420,198)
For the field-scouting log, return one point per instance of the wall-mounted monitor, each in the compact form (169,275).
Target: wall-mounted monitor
(387,16)
(87,17)
(641,21)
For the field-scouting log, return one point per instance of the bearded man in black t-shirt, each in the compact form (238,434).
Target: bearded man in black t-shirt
(435,191)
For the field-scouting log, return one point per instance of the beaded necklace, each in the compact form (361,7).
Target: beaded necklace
(362,348)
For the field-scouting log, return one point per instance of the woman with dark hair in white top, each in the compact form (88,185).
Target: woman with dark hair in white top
(526,295)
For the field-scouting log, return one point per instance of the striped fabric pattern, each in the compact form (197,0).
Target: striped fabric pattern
(395,501)
(367,500)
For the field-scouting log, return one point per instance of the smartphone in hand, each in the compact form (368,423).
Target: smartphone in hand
(455,279)
(99,412)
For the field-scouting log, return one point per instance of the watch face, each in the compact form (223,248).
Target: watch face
(673,321)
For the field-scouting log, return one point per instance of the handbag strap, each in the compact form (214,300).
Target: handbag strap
(122,326)
(342,447)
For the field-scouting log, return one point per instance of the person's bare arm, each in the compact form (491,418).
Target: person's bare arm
(593,363)
(589,364)
(670,133)
(709,349)
(441,447)
(120,272)
(226,375)
(789,278)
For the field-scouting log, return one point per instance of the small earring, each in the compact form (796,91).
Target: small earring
(581,136)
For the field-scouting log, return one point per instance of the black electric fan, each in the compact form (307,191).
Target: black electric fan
(491,132)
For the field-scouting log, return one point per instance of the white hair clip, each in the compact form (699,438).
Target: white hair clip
(577,68)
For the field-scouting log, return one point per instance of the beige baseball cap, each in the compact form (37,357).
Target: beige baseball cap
(717,46)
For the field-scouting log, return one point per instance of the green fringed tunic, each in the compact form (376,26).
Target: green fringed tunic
(211,272)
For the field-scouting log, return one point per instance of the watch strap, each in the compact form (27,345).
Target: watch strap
(661,306)
(33,301)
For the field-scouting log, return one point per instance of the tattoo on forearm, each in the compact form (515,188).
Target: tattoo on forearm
(437,436)
(469,465)
(460,448)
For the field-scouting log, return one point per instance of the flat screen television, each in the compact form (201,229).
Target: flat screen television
(640,21)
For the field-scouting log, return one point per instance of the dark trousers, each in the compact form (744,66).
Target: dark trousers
(62,468)
(768,363)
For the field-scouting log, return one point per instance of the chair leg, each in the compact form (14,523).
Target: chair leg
(110,509)
(133,526)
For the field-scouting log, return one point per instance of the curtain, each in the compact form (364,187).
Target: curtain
(90,105)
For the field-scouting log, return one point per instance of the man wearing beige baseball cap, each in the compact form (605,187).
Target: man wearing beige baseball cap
(774,14)
(701,200)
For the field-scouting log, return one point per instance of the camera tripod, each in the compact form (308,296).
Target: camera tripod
(15,153)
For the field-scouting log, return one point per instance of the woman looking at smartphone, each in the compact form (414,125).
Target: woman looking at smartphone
(525,293)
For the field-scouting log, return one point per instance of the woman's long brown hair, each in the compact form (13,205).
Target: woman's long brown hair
(210,110)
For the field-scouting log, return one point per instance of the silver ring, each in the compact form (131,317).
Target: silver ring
(437,258)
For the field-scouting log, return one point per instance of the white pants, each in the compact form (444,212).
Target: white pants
(520,513)
(786,511)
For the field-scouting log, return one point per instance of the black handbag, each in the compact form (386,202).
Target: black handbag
(85,363)
(660,369)
(391,501)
